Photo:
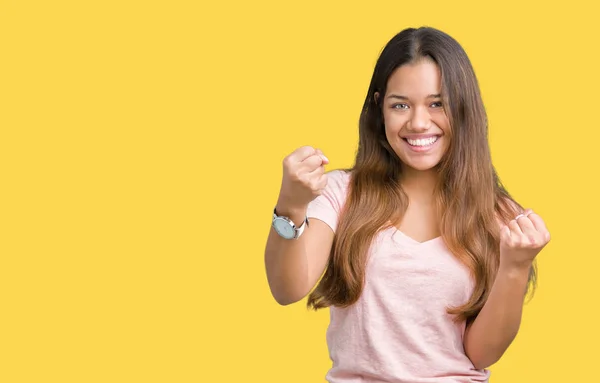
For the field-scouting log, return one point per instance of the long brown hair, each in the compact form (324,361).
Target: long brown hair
(469,193)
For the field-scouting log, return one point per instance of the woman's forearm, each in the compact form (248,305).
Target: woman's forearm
(497,324)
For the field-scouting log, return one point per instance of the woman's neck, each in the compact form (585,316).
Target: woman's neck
(419,185)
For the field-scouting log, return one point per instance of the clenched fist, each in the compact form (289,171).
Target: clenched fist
(522,239)
(303,179)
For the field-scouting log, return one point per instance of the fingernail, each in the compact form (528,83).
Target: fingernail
(324,158)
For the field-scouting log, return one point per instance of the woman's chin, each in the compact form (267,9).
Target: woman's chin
(421,166)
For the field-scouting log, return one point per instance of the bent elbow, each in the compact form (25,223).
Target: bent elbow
(482,360)
(480,365)
(286,299)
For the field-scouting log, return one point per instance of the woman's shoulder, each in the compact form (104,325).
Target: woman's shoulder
(338,180)
(329,203)
(340,174)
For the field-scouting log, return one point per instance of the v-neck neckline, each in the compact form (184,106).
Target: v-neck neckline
(414,241)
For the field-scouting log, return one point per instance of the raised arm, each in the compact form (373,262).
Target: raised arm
(294,266)
(498,322)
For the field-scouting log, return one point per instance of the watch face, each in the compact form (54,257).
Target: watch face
(284,228)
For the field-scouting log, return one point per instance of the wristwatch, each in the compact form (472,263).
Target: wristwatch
(286,228)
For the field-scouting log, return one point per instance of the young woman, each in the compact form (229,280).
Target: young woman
(421,255)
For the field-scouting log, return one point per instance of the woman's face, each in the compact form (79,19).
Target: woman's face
(416,125)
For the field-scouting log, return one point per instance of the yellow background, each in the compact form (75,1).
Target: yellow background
(141,147)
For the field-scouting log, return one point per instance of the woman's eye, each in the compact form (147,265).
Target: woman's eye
(437,104)
(399,106)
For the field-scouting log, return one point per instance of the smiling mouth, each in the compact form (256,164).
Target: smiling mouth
(422,142)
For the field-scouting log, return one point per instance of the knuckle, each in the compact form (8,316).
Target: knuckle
(517,242)
(287,161)
(295,176)
(303,179)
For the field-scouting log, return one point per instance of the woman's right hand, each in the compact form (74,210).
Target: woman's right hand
(303,179)
(294,267)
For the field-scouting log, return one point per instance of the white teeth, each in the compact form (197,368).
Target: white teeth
(422,142)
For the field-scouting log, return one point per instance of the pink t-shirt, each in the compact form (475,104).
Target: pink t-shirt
(399,330)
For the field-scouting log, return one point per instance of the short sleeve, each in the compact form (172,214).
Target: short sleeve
(327,206)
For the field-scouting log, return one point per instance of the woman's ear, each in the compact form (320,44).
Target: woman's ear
(376,97)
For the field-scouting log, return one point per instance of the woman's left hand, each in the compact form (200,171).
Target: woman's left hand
(522,239)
